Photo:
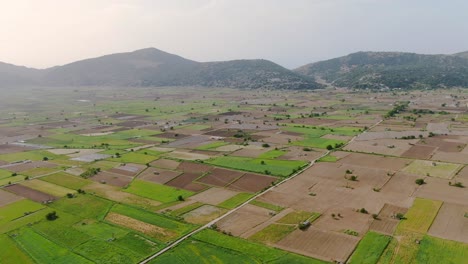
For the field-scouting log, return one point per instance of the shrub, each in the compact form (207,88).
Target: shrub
(51,216)
(420,181)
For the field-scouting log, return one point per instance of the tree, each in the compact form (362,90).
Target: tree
(329,147)
(180,198)
(265,145)
(51,216)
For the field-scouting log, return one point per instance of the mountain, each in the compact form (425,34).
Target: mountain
(12,75)
(376,70)
(462,54)
(153,67)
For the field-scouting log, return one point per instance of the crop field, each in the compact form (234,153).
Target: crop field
(128,173)
(157,192)
(370,248)
(282,168)
(66,180)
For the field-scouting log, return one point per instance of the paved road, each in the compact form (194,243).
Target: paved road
(180,240)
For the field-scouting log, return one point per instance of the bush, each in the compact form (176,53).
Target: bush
(265,145)
(420,181)
(363,211)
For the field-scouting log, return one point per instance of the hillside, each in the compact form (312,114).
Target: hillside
(462,54)
(153,67)
(391,70)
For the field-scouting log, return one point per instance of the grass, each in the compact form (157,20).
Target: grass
(426,168)
(197,252)
(42,250)
(5,174)
(39,171)
(236,200)
(272,154)
(156,191)
(47,187)
(185,209)
(107,252)
(282,168)
(317,142)
(66,180)
(297,217)
(12,179)
(18,209)
(152,218)
(261,253)
(138,244)
(86,206)
(268,206)
(420,216)
(100,230)
(102,164)
(35,155)
(436,250)
(61,234)
(133,157)
(25,220)
(370,248)
(10,253)
(212,145)
(272,233)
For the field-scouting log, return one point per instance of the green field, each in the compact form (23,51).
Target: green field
(436,250)
(40,171)
(272,233)
(86,206)
(18,209)
(4,174)
(158,192)
(212,145)
(12,179)
(272,154)
(420,216)
(370,248)
(434,169)
(282,168)
(152,218)
(236,200)
(314,142)
(47,187)
(297,217)
(268,206)
(106,252)
(10,252)
(35,155)
(42,250)
(66,180)
(328,158)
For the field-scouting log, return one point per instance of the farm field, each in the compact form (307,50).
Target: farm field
(122,176)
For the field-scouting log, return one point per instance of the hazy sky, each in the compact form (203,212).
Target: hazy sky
(44,33)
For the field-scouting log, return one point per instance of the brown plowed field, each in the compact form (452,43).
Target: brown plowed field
(320,244)
(192,167)
(7,198)
(244,219)
(419,152)
(29,193)
(184,181)
(165,164)
(220,177)
(213,196)
(158,175)
(252,183)
(111,179)
(31,165)
(451,223)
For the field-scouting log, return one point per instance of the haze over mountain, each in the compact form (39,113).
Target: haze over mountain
(153,67)
(391,70)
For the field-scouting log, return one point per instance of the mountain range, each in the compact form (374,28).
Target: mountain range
(153,67)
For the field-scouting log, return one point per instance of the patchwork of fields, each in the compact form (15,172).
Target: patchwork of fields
(256,176)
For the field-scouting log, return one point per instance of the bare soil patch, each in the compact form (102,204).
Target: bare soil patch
(320,244)
(8,148)
(165,164)
(8,198)
(203,214)
(29,193)
(158,175)
(252,183)
(348,219)
(451,223)
(220,177)
(373,161)
(111,179)
(185,181)
(145,228)
(194,167)
(244,219)
(30,165)
(419,152)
